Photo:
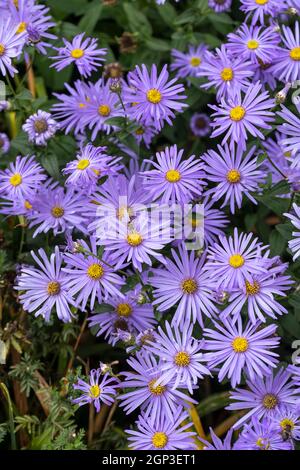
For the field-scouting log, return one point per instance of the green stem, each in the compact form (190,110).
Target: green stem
(10,85)
(276,167)
(10,416)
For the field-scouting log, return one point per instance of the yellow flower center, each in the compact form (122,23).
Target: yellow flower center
(159,440)
(252,289)
(27,205)
(95,391)
(195,61)
(104,110)
(173,176)
(233,176)
(286,423)
(40,126)
(263,443)
(134,239)
(270,401)
(237,113)
(253,44)
(189,286)
(261,2)
(158,390)
(295,53)
(182,359)
(82,105)
(2,49)
(53,288)
(287,154)
(57,212)
(124,310)
(236,261)
(95,271)
(21,28)
(239,344)
(77,53)
(140,131)
(227,74)
(83,164)
(15,179)
(154,96)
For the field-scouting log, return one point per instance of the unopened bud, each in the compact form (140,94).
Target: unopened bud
(280,97)
(115,85)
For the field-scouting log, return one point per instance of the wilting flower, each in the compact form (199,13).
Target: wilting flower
(200,124)
(291,126)
(96,390)
(83,52)
(217,443)
(236,349)
(287,60)
(294,244)
(258,9)
(161,433)
(43,289)
(11,45)
(188,64)
(234,174)
(40,127)
(4,143)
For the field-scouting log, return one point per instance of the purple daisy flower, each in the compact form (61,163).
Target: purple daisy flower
(40,127)
(291,126)
(257,10)
(294,244)
(145,134)
(124,313)
(217,443)
(4,143)
(215,221)
(240,115)
(236,349)
(154,400)
(219,6)
(183,280)
(226,73)
(59,210)
(287,422)
(188,64)
(155,98)
(263,74)
(96,390)
(234,260)
(162,434)
(200,124)
(265,397)
(83,52)
(180,355)
(45,288)
(287,61)
(261,435)
(90,277)
(234,174)
(174,179)
(11,45)
(22,178)
(254,43)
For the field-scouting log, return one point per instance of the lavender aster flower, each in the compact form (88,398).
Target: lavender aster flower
(257,10)
(287,422)
(261,435)
(287,61)
(189,63)
(11,45)
(217,443)
(40,127)
(96,391)
(4,143)
(184,281)
(45,288)
(265,397)
(174,179)
(219,6)
(239,349)
(155,98)
(83,52)
(240,115)
(163,434)
(234,174)
(291,126)
(200,124)
(294,244)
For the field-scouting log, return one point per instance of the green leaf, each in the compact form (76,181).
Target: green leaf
(137,21)
(159,45)
(90,19)
(277,243)
(213,403)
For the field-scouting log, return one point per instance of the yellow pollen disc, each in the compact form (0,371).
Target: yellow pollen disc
(40,126)
(95,271)
(182,359)
(173,176)
(83,164)
(2,49)
(237,113)
(159,440)
(53,288)
(134,239)
(27,205)
(233,176)
(286,423)
(295,53)
(158,390)
(252,289)
(261,2)
(15,179)
(97,172)
(57,212)
(77,53)
(140,131)
(21,28)
(189,286)
(124,310)
(263,443)
(239,344)
(104,110)
(227,74)
(270,401)
(236,261)
(82,105)
(154,96)
(252,44)
(95,391)
(287,154)
(195,61)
